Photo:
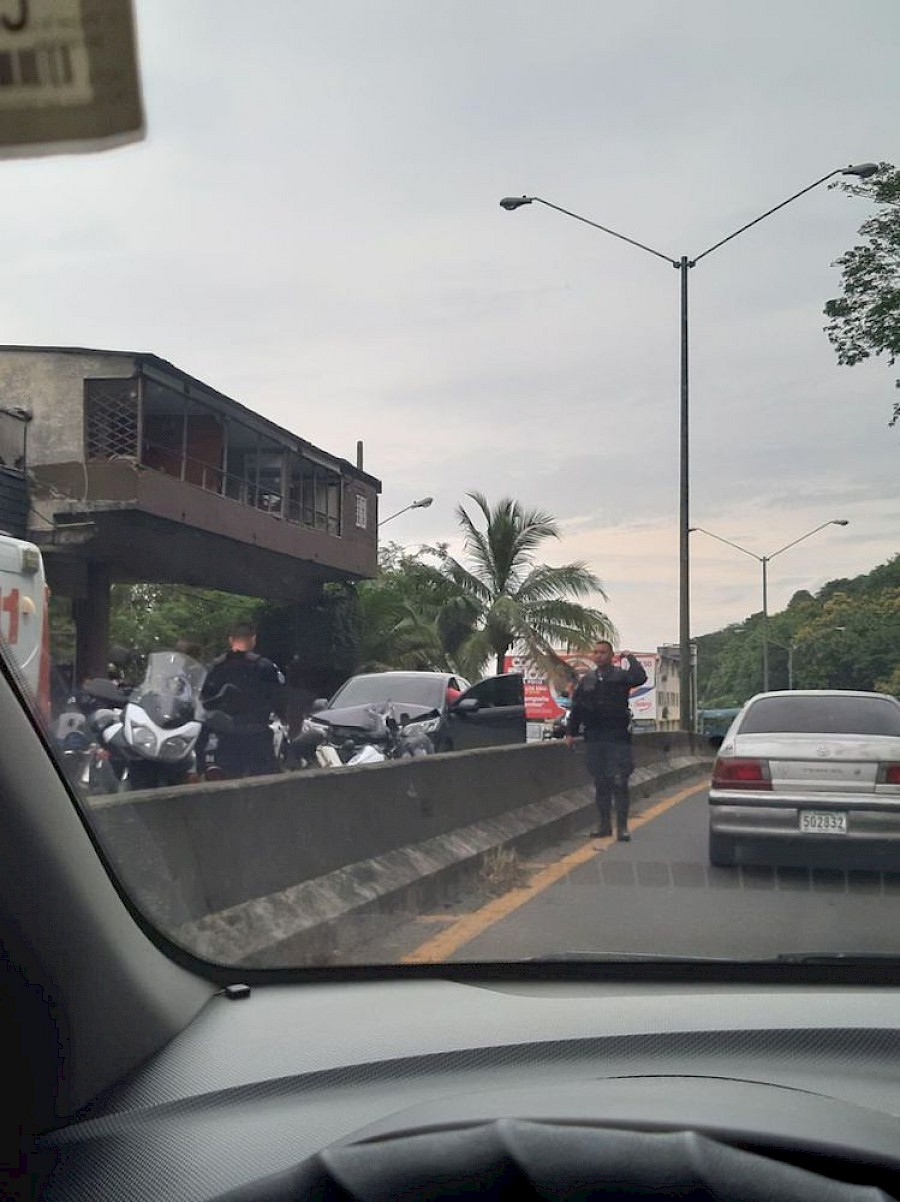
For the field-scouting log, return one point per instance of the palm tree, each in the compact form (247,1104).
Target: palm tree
(411,617)
(506,597)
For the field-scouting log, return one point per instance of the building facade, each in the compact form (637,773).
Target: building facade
(141,472)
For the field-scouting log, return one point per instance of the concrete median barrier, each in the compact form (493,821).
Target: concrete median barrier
(265,871)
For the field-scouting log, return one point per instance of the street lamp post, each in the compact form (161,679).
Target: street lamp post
(421,504)
(791,646)
(764,561)
(682,265)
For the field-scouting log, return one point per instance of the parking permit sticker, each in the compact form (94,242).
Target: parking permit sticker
(68,76)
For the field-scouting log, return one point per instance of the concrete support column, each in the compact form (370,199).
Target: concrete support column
(91,615)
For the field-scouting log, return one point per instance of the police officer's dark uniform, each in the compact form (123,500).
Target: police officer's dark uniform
(248,749)
(600,707)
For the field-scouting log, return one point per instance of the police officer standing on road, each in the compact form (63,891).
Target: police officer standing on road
(248,749)
(600,706)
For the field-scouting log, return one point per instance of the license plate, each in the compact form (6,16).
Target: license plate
(823,822)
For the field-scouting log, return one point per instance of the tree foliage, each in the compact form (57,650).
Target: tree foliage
(409,615)
(847,636)
(152,617)
(425,610)
(511,597)
(315,641)
(865,319)
(428,610)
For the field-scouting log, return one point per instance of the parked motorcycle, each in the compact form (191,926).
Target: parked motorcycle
(85,762)
(77,733)
(155,736)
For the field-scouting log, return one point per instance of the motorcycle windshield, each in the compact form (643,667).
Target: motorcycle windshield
(170,691)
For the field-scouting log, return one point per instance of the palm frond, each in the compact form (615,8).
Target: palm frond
(472,655)
(534,528)
(466,582)
(504,550)
(476,543)
(429,609)
(569,624)
(544,582)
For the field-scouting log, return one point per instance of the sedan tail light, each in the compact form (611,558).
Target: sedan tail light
(891,774)
(741,774)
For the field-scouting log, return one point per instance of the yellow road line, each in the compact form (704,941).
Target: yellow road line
(440,946)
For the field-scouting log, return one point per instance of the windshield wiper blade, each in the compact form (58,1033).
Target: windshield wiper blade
(844,958)
(812,959)
(629,957)
(838,958)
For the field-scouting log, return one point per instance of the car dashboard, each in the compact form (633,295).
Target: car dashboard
(269,1076)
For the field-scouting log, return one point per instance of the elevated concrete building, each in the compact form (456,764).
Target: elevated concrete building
(140,472)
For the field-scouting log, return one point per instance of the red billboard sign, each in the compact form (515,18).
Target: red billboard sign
(542,703)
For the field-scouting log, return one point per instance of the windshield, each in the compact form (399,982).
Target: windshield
(171,687)
(371,690)
(356,350)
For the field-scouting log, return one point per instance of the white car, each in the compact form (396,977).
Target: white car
(807,770)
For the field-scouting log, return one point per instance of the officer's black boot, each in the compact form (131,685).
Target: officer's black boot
(604,807)
(622,800)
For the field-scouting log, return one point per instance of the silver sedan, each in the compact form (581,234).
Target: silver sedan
(814,771)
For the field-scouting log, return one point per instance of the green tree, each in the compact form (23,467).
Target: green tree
(865,319)
(316,640)
(507,597)
(153,617)
(411,616)
(890,684)
(847,636)
(149,617)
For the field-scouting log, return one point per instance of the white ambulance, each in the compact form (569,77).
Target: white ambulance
(24,617)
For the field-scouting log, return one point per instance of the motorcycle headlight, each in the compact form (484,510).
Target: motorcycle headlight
(143,738)
(176,747)
(428,727)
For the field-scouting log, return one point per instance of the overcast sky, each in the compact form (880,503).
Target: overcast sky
(312,227)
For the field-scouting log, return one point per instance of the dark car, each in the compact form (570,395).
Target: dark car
(455,715)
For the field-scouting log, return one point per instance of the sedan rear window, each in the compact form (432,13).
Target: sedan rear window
(822,715)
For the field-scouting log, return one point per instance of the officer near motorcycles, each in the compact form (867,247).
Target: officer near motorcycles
(600,707)
(257,691)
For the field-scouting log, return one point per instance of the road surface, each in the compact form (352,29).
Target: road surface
(657,895)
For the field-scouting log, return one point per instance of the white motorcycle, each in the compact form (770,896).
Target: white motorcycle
(154,738)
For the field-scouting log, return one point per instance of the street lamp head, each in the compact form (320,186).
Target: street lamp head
(862,170)
(422,503)
(19,412)
(840,522)
(514,202)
